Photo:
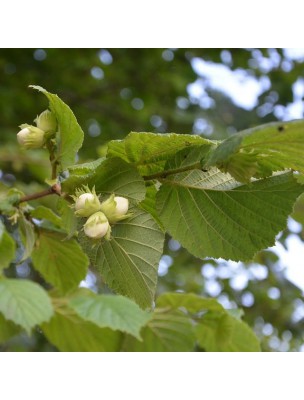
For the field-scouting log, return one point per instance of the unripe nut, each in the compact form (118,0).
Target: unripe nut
(97,226)
(87,204)
(31,137)
(115,208)
(46,121)
(122,205)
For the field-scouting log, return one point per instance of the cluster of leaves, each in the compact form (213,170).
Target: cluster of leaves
(218,199)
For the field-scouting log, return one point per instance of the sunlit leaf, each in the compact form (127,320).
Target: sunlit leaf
(24,302)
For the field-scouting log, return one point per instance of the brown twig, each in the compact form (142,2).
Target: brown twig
(55,189)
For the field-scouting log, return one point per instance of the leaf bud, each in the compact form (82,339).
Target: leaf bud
(115,208)
(46,121)
(97,226)
(30,137)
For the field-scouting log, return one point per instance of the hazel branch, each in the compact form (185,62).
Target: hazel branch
(55,189)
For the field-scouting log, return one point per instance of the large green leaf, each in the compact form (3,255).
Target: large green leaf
(129,261)
(262,150)
(68,332)
(7,248)
(24,302)
(150,151)
(109,311)
(70,137)
(61,262)
(212,215)
(223,332)
(167,331)
(7,329)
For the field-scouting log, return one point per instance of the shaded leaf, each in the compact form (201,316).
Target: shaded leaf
(68,332)
(7,329)
(167,331)
(61,263)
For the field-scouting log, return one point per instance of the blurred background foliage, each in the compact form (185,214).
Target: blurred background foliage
(208,92)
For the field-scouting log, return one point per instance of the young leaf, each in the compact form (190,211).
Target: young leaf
(68,332)
(7,248)
(211,215)
(108,311)
(61,263)
(24,302)
(150,151)
(260,151)
(223,332)
(70,135)
(167,331)
(27,236)
(128,262)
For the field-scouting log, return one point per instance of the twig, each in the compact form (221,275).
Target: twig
(55,189)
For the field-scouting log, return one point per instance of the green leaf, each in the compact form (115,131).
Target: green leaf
(223,332)
(70,137)
(27,236)
(167,331)
(110,176)
(149,203)
(42,212)
(79,175)
(150,151)
(189,301)
(7,329)
(8,198)
(129,262)
(7,248)
(24,302)
(116,176)
(61,263)
(68,332)
(68,217)
(109,311)
(262,150)
(212,215)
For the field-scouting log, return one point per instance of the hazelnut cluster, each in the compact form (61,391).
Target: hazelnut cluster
(34,137)
(101,215)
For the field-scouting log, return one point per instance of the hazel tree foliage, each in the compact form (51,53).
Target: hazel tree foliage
(219,199)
